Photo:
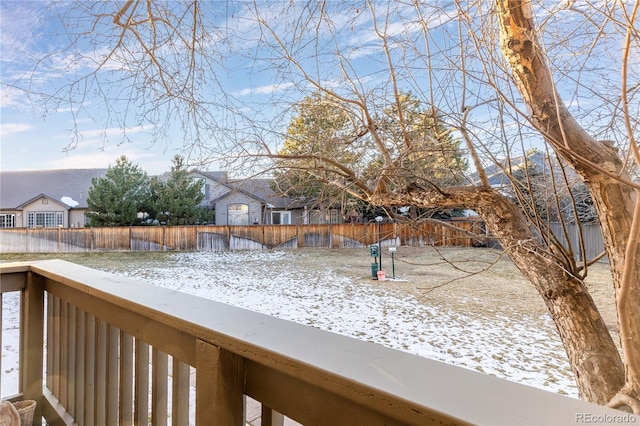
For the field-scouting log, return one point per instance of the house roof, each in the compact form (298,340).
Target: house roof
(70,186)
(18,187)
(221,177)
(38,197)
(496,172)
(261,189)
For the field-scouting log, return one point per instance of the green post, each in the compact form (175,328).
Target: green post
(374,252)
(392,250)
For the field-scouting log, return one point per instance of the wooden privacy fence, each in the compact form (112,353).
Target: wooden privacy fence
(213,238)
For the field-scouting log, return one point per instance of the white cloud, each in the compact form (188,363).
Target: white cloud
(151,161)
(69,201)
(264,90)
(11,128)
(18,20)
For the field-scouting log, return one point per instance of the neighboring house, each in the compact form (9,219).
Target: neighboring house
(497,177)
(247,201)
(45,198)
(58,198)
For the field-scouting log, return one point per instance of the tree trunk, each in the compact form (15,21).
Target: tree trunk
(592,354)
(598,163)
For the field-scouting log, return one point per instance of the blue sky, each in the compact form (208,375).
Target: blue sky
(36,138)
(240,79)
(33,137)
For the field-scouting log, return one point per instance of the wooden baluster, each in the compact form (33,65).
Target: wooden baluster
(159,388)
(89,372)
(112,380)
(126,379)
(71,359)
(101,373)
(63,344)
(80,393)
(32,355)
(180,394)
(271,417)
(141,391)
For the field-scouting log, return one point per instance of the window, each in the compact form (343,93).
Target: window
(238,214)
(324,216)
(45,219)
(281,218)
(7,220)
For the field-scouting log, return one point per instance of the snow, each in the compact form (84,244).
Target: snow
(518,348)
(69,201)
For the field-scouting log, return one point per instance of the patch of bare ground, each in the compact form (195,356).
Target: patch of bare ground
(463,279)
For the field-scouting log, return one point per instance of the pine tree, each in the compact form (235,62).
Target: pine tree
(178,199)
(120,198)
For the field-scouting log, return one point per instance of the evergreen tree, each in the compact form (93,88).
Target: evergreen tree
(178,199)
(121,197)
(423,149)
(316,132)
(579,206)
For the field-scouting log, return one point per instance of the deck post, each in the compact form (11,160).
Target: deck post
(32,354)
(219,384)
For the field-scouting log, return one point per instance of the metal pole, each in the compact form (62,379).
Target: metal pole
(392,250)
(393,264)
(379,220)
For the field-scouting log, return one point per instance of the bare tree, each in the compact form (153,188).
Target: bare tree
(495,73)
(599,163)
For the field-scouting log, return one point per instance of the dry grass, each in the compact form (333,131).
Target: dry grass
(483,280)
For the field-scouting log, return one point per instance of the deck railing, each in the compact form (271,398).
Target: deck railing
(98,349)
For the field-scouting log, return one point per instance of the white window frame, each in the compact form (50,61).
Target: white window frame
(282,215)
(238,214)
(45,219)
(7,220)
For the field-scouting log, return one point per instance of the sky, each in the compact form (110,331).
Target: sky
(244,96)
(87,132)
(33,138)
(87,135)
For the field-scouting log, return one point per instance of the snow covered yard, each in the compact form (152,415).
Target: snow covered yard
(333,290)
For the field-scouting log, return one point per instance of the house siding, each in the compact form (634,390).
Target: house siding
(222,206)
(44,205)
(77,218)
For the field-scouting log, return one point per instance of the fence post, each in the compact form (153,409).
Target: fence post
(330,232)
(164,238)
